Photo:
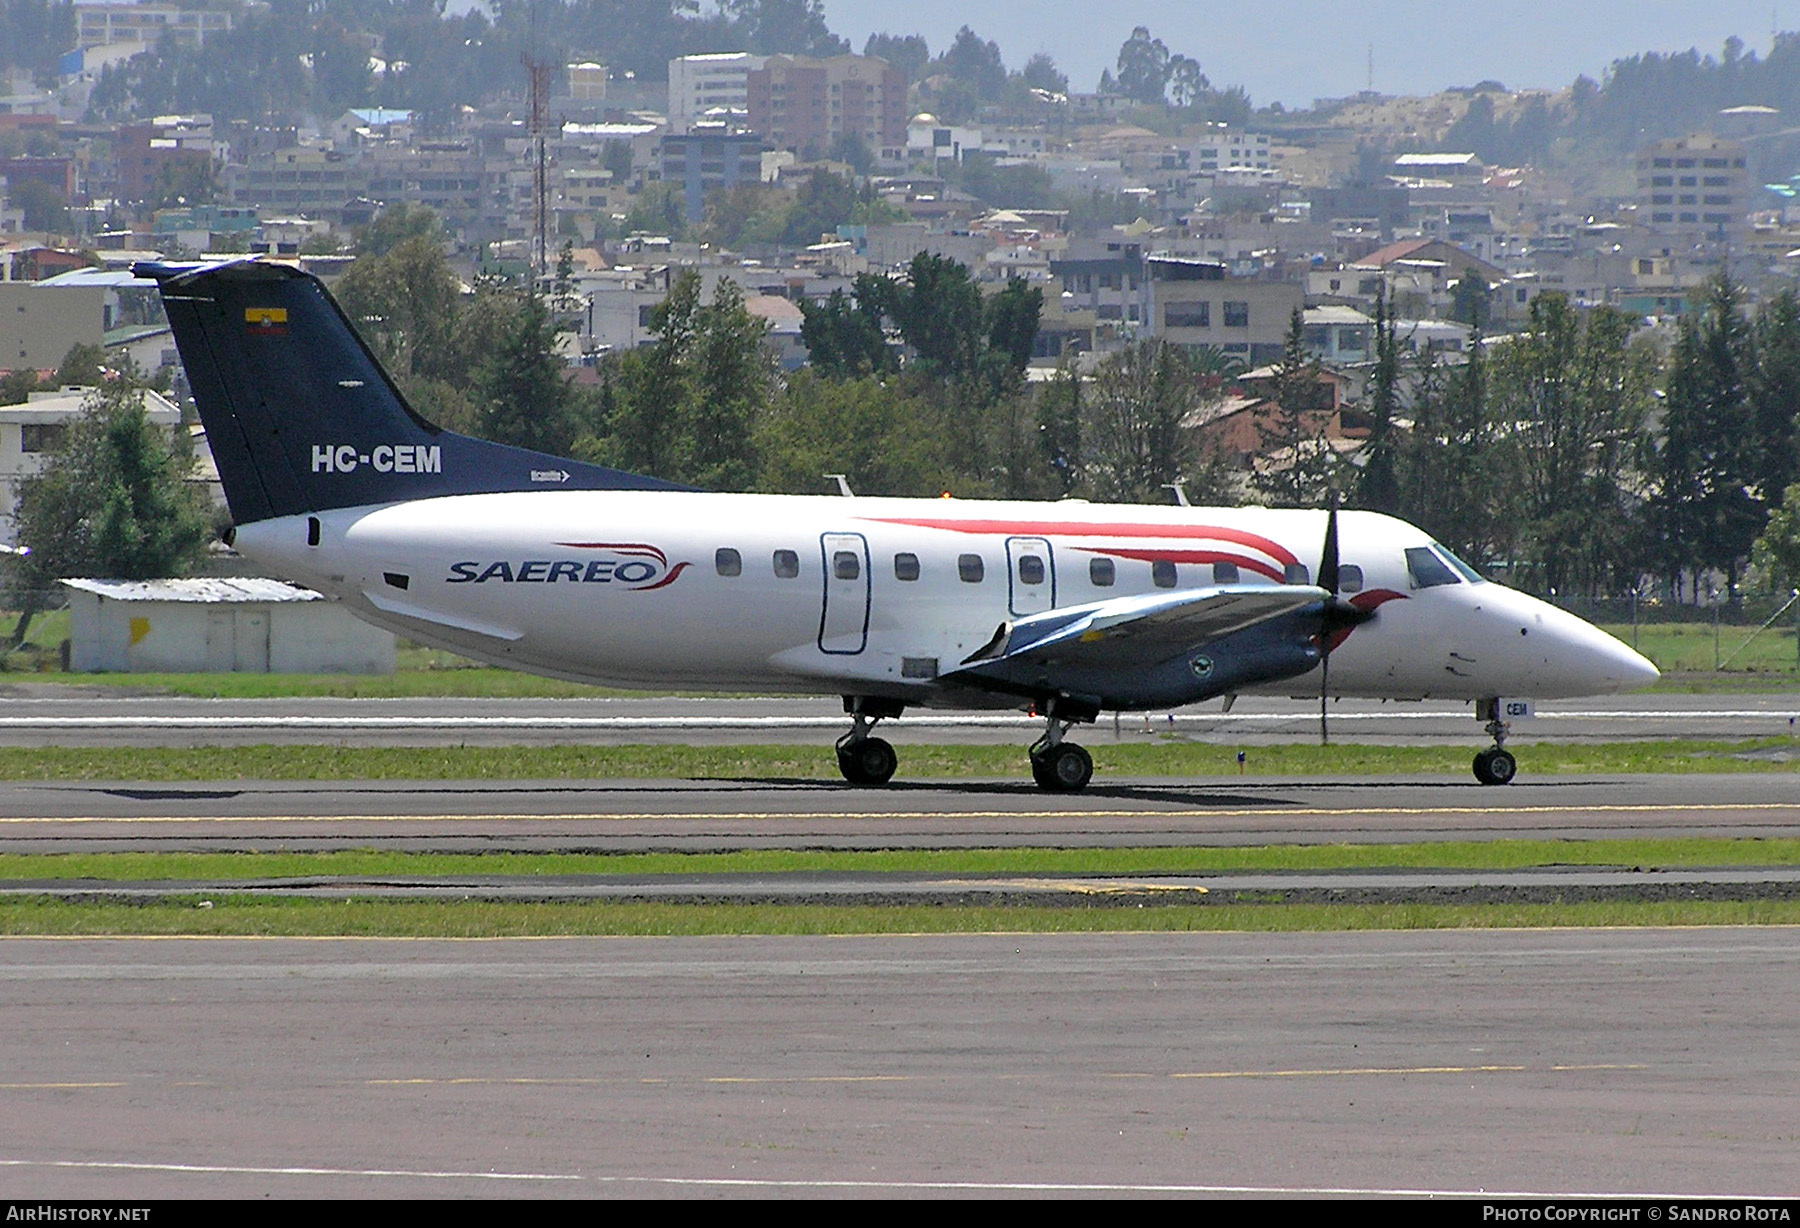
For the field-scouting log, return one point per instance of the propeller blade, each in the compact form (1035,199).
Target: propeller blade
(1329,616)
(1328,563)
(1324,687)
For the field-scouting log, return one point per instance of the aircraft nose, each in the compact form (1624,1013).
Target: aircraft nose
(1625,667)
(1595,663)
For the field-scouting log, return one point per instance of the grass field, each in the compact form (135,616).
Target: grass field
(237,915)
(1648,855)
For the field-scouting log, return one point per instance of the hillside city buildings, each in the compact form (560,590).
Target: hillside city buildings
(1219,233)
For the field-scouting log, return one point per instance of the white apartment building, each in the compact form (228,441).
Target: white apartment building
(702,83)
(101,25)
(1224,148)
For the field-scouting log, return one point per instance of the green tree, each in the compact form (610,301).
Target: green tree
(1137,430)
(1143,67)
(732,378)
(395,225)
(1775,394)
(1378,487)
(843,336)
(1300,468)
(648,388)
(521,388)
(409,307)
(17,386)
(909,52)
(870,430)
(115,499)
(1040,73)
(954,333)
(1574,394)
(1775,559)
(793,26)
(687,407)
(1708,516)
(976,65)
(44,206)
(1470,300)
(1455,469)
(82,367)
(1059,415)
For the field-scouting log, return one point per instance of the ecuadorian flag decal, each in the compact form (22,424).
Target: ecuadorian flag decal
(265,321)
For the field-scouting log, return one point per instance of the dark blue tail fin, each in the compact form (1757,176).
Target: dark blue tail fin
(301,418)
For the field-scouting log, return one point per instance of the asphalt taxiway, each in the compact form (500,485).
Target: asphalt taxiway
(729,816)
(1644,1062)
(1481,1063)
(725,815)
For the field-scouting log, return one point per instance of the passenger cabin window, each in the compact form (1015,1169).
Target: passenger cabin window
(1101,573)
(1225,573)
(1296,573)
(1350,578)
(906,567)
(1031,569)
(1162,573)
(970,568)
(787,564)
(1427,569)
(728,562)
(845,565)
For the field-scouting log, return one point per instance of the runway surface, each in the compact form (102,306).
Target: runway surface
(709,816)
(34,715)
(1654,1062)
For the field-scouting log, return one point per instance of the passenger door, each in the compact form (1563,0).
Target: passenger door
(844,619)
(1030,575)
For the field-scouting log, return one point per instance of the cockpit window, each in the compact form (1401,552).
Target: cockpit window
(1427,569)
(1467,572)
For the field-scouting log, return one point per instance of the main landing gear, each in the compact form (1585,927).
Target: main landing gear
(863,759)
(1059,766)
(1494,766)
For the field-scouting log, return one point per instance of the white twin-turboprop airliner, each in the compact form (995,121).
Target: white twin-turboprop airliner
(1067,609)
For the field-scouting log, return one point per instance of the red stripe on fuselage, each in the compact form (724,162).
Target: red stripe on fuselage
(1076,528)
(1149,554)
(636,548)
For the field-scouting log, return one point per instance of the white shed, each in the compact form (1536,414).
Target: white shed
(218,626)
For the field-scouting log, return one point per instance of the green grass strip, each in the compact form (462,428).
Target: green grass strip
(381,864)
(1161,757)
(226,915)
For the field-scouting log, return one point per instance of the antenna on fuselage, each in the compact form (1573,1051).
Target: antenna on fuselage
(843,484)
(1180,493)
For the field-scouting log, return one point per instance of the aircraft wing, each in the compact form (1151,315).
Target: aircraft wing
(1129,633)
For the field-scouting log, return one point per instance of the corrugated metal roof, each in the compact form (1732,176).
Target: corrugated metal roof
(203,590)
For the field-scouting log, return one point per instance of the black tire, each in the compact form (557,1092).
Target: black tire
(1064,768)
(870,761)
(1495,767)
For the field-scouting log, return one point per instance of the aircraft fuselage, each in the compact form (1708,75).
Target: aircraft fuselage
(886,597)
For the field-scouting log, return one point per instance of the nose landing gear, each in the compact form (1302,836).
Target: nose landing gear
(1494,766)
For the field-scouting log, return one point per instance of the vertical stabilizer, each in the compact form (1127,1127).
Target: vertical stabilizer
(301,418)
